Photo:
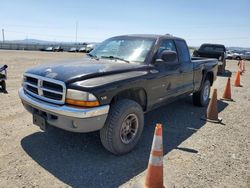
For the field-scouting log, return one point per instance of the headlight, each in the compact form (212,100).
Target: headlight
(81,98)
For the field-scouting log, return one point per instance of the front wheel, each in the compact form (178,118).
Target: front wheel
(123,127)
(201,98)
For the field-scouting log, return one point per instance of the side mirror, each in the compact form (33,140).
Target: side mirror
(167,56)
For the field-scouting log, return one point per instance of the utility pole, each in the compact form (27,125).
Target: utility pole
(76,30)
(3,34)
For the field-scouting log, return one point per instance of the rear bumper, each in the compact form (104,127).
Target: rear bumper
(67,117)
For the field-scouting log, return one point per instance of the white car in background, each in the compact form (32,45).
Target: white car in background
(236,56)
(82,49)
(229,55)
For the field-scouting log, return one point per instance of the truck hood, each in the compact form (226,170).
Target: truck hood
(77,70)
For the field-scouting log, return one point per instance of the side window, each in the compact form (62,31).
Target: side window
(167,45)
(183,51)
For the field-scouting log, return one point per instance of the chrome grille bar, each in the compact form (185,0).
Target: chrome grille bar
(42,92)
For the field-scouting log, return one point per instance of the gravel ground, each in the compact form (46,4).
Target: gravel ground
(196,153)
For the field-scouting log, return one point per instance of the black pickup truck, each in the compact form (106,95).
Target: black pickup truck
(217,51)
(111,88)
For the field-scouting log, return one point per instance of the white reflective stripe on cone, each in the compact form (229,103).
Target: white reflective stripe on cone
(157,143)
(155,161)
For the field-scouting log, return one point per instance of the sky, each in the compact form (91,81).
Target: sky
(197,21)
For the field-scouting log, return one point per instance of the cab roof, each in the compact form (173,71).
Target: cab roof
(152,36)
(209,44)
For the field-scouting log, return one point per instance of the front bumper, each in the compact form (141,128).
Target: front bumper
(66,117)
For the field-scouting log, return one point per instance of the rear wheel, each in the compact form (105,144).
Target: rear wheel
(123,127)
(201,97)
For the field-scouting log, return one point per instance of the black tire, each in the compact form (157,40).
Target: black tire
(3,85)
(238,58)
(199,98)
(110,134)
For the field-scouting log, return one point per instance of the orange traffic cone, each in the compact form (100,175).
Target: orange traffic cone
(212,110)
(154,175)
(227,92)
(237,80)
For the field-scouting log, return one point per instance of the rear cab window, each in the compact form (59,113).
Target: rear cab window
(182,51)
(212,48)
(167,45)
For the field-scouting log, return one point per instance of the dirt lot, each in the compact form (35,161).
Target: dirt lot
(196,153)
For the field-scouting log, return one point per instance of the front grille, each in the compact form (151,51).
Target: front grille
(32,89)
(43,88)
(52,95)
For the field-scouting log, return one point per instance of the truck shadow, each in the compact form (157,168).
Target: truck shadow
(79,160)
(227,73)
(3,91)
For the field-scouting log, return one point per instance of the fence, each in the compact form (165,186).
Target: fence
(35,47)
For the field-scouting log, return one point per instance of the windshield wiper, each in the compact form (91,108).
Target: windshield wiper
(93,56)
(116,58)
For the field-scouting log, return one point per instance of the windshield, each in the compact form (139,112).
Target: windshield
(129,49)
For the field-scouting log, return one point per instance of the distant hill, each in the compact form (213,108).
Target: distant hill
(30,41)
(36,41)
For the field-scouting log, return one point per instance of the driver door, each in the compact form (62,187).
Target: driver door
(169,81)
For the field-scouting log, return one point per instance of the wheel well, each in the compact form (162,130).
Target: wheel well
(138,95)
(210,77)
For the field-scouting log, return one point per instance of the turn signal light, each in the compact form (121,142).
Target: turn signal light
(82,103)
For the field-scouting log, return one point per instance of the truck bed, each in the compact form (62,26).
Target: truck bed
(201,60)
(202,64)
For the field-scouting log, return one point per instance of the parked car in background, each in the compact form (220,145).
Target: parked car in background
(217,51)
(229,55)
(246,56)
(74,49)
(58,49)
(82,49)
(235,55)
(49,49)
(90,47)
(243,55)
